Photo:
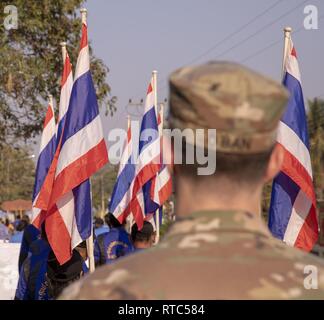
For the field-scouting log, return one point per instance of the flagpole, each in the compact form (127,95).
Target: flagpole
(50,101)
(157,222)
(287,35)
(161,141)
(63,46)
(131,218)
(90,239)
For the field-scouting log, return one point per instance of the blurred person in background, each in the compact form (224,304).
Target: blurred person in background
(144,238)
(59,276)
(82,249)
(111,245)
(32,284)
(31,233)
(18,234)
(4,234)
(10,227)
(100,227)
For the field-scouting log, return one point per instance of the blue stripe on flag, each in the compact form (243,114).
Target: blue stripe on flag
(43,163)
(122,185)
(295,113)
(284,193)
(83,106)
(82,205)
(149,121)
(150,206)
(60,129)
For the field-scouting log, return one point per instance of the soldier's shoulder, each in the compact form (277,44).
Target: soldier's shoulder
(208,259)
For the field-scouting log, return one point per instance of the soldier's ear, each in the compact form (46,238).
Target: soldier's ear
(275,163)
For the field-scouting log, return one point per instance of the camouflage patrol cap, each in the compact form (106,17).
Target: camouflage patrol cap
(243,106)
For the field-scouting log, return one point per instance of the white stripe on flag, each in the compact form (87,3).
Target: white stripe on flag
(86,138)
(299,213)
(65,96)
(83,63)
(48,134)
(290,140)
(292,64)
(148,154)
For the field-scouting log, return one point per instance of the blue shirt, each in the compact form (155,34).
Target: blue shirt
(111,245)
(101,230)
(32,284)
(17,237)
(31,233)
(4,235)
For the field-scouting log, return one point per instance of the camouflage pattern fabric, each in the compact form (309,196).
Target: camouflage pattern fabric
(208,255)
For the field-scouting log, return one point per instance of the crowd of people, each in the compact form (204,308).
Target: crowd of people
(13,231)
(41,277)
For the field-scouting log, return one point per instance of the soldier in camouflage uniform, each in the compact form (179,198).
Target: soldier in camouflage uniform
(219,247)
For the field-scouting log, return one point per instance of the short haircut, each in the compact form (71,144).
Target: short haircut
(142,235)
(21,225)
(239,168)
(99,221)
(112,221)
(26,218)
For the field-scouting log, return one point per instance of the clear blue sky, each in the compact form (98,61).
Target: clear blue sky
(135,37)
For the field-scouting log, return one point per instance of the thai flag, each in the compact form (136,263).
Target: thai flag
(161,188)
(148,162)
(66,89)
(45,158)
(81,152)
(121,197)
(292,216)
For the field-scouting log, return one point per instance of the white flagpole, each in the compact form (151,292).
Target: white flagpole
(161,141)
(131,218)
(63,46)
(287,35)
(157,223)
(50,101)
(90,239)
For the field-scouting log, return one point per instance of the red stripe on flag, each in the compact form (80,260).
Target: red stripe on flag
(165,192)
(79,171)
(293,52)
(149,89)
(122,217)
(39,219)
(66,71)
(58,236)
(296,171)
(84,37)
(147,173)
(308,234)
(49,116)
(137,213)
(129,135)
(46,189)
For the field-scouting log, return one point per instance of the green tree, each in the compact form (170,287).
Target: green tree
(31,64)
(316,137)
(102,186)
(17,171)
(315,117)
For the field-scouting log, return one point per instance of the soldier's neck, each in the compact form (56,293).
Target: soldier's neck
(192,198)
